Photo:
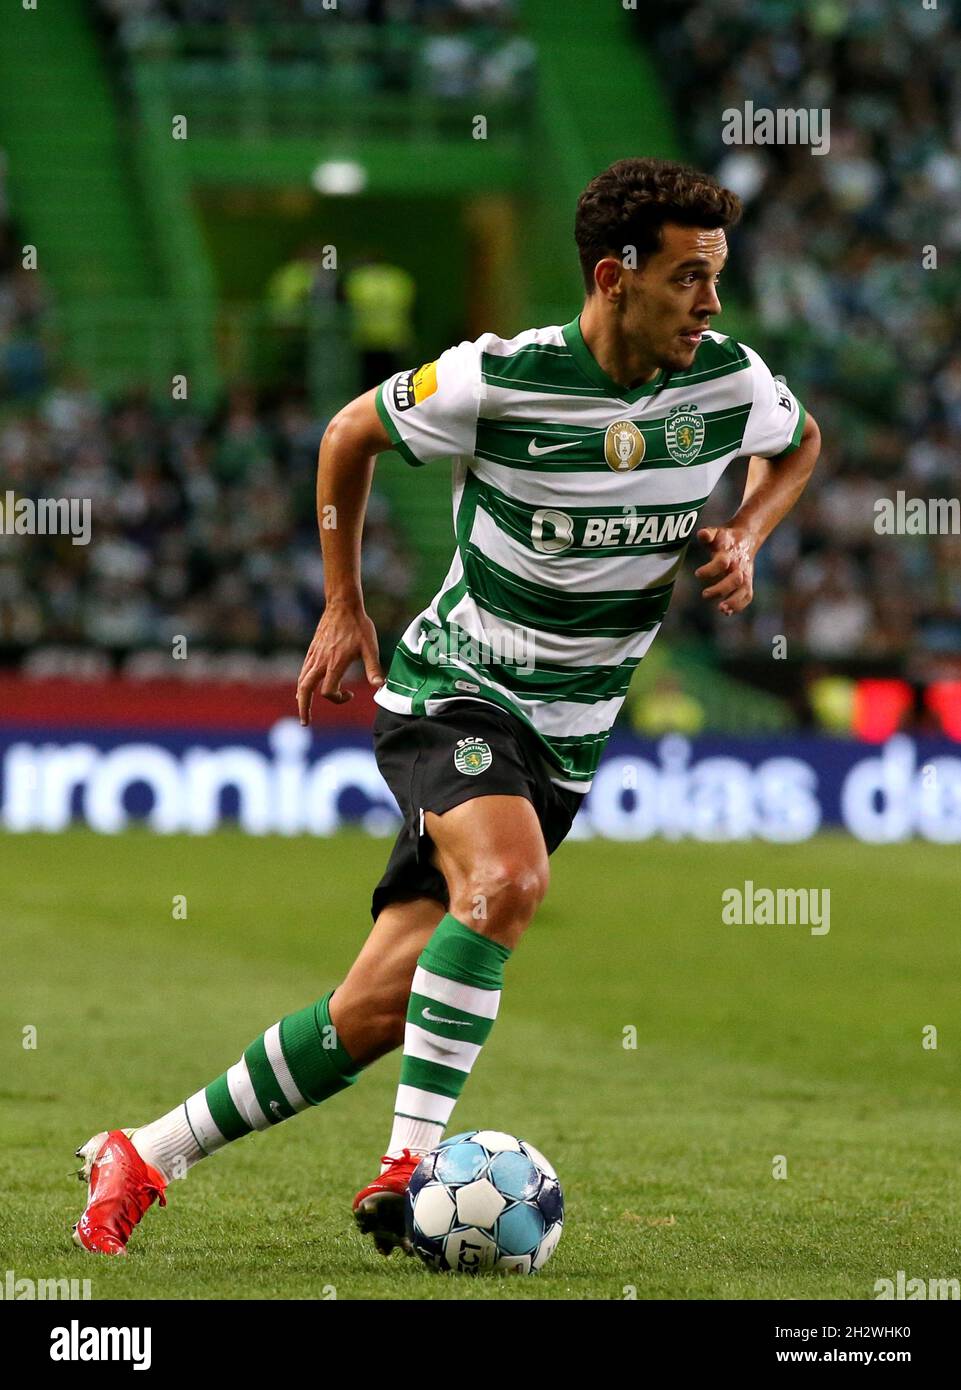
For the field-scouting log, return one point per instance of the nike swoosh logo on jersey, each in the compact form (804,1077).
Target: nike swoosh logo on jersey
(535,450)
(435,1018)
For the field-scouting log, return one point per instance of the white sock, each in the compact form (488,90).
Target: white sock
(419,1136)
(168,1144)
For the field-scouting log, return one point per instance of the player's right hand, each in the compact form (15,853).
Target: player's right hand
(343,634)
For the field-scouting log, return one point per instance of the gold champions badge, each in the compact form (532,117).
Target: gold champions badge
(623,446)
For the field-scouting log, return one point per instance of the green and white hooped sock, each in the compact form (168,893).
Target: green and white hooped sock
(453,1003)
(297,1063)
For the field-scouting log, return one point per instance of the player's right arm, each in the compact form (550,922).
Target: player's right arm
(423,415)
(345,470)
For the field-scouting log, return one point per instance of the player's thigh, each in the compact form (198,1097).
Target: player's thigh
(492,853)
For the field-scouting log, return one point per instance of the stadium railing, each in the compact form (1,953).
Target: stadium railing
(296,80)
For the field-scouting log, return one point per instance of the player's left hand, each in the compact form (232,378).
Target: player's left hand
(731,567)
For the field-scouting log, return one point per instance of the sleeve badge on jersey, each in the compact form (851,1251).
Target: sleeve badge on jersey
(411,388)
(783,395)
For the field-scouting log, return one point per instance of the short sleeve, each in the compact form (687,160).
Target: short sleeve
(776,421)
(431,412)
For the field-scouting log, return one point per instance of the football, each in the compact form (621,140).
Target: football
(483,1200)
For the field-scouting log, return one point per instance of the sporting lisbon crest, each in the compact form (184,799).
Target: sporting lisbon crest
(684,433)
(472,756)
(623,446)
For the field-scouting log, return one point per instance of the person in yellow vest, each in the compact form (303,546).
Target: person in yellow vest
(294,284)
(305,283)
(380,298)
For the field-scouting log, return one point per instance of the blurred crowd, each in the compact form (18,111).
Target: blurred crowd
(448,49)
(204,527)
(205,524)
(849,264)
(23,301)
(291,11)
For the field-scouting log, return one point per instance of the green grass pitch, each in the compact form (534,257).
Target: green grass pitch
(752,1042)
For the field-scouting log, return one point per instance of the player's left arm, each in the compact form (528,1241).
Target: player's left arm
(782,443)
(771,490)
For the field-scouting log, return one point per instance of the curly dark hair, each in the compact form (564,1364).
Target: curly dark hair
(629,203)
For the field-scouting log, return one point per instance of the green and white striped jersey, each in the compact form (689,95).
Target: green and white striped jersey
(574,499)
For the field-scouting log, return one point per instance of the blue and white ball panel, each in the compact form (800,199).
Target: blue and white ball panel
(434,1210)
(461,1163)
(514,1175)
(495,1141)
(479,1204)
(520,1230)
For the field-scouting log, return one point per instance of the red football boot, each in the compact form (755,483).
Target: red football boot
(121,1188)
(379,1207)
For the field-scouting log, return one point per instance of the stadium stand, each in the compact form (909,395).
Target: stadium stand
(831,258)
(206,527)
(206,511)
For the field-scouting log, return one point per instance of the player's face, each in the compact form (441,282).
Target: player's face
(669,303)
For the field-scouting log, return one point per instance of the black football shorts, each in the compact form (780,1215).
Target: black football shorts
(435,762)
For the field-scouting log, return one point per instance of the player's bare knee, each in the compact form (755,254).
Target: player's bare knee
(502,895)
